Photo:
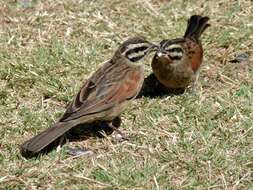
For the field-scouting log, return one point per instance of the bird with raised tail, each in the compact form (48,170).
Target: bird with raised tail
(176,64)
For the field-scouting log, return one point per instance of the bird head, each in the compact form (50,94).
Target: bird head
(134,49)
(171,49)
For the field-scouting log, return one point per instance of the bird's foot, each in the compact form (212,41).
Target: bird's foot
(77,152)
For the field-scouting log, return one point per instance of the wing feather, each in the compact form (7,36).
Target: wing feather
(109,86)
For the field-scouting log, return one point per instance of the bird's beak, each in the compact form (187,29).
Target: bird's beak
(153,47)
(160,53)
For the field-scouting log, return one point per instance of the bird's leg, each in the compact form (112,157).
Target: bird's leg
(115,126)
(195,81)
(61,142)
(77,152)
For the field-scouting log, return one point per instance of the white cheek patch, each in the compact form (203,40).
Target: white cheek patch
(175,54)
(136,54)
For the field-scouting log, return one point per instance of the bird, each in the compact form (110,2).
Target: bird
(176,63)
(103,97)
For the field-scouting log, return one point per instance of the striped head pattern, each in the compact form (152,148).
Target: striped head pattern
(172,48)
(134,49)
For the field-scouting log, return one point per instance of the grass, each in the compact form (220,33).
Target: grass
(189,141)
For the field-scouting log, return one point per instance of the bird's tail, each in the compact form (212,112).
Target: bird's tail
(196,26)
(36,144)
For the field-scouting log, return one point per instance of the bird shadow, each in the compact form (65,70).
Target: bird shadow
(152,88)
(80,132)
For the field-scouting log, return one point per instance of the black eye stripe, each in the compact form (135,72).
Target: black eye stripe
(137,53)
(175,57)
(177,49)
(134,59)
(136,50)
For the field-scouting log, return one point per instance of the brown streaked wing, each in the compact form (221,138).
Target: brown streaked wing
(117,84)
(87,90)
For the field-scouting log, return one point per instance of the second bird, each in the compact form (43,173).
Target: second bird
(177,62)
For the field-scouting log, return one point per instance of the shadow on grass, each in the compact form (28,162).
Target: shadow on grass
(152,88)
(78,133)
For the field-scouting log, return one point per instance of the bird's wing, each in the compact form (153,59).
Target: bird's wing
(109,86)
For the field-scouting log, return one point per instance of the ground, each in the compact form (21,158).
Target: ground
(201,140)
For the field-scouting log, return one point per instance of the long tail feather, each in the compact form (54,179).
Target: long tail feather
(196,26)
(36,144)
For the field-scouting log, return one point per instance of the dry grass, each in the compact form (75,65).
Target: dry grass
(189,141)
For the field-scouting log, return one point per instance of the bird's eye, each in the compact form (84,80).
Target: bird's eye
(175,56)
(174,51)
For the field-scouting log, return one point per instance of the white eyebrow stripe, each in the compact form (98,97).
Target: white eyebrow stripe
(133,46)
(136,54)
(173,46)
